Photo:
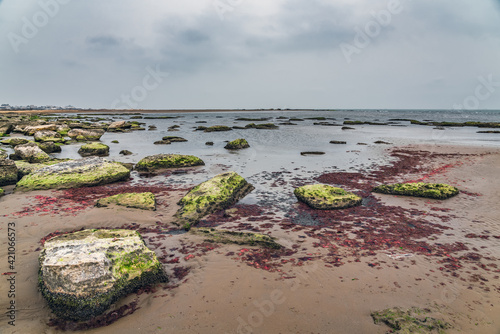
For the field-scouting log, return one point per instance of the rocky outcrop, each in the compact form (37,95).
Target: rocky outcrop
(143,201)
(86,134)
(44,136)
(215,194)
(96,149)
(162,161)
(31,152)
(418,189)
(325,197)
(237,144)
(73,174)
(8,172)
(82,273)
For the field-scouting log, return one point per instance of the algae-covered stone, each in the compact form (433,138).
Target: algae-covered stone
(237,144)
(418,189)
(119,126)
(95,148)
(86,134)
(414,320)
(46,135)
(174,139)
(31,152)
(82,273)
(6,129)
(216,128)
(50,147)
(73,174)
(238,238)
(144,201)
(325,197)
(265,126)
(215,194)
(8,172)
(2,192)
(14,141)
(161,161)
(31,130)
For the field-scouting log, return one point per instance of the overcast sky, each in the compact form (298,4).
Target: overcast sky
(170,54)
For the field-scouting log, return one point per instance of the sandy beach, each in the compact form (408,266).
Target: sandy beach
(235,289)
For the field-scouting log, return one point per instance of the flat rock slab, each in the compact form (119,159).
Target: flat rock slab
(325,197)
(163,161)
(82,273)
(143,201)
(86,134)
(237,238)
(74,174)
(218,193)
(418,189)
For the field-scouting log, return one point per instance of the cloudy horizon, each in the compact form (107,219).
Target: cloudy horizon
(209,54)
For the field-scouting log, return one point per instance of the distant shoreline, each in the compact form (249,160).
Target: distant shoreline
(146,111)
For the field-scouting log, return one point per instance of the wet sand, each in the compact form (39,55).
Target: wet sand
(225,292)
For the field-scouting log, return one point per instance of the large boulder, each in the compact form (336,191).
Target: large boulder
(143,201)
(119,126)
(86,134)
(161,161)
(50,147)
(31,152)
(14,141)
(31,130)
(325,197)
(74,174)
(46,135)
(82,273)
(8,172)
(237,144)
(97,149)
(216,128)
(218,193)
(418,189)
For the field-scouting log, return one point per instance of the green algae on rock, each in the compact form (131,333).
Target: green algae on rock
(46,135)
(2,192)
(86,134)
(31,152)
(174,139)
(418,189)
(15,141)
(237,144)
(25,168)
(82,273)
(94,148)
(237,238)
(8,172)
(143,201)
(162,161)
(216,128)
(325,197)
(218,193)
(413,320)
(50,147)
(85,172)
(265,126)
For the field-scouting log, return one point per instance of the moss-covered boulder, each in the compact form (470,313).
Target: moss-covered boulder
(50,147)
(418,189)
(162,161)
(86,134)
(74,174)
(143,201)
(119,126)
(8,172)
(14,141)
(325,197)
(174,139)
(237,238)
(218,193)
(25,168)
(44,136)
(31,130)
(414,320)
(6,128)
(31,152)
(82,273)
(216,128)
(96,149)
(237,144)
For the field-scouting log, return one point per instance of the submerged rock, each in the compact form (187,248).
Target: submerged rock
(73,174)
(96,149)
(162,142)
(174,139)
(161,161)
(125,152)
(15,141)
(340,142)
(312,153)
(418,189)
(82,273)
(325,197)
(31,152)
(144,201)
(8,172)
(215,128)
(238,238)
(265,126)
(209,143)
(237,144)
(45,136)
(86,134)
(218,193)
